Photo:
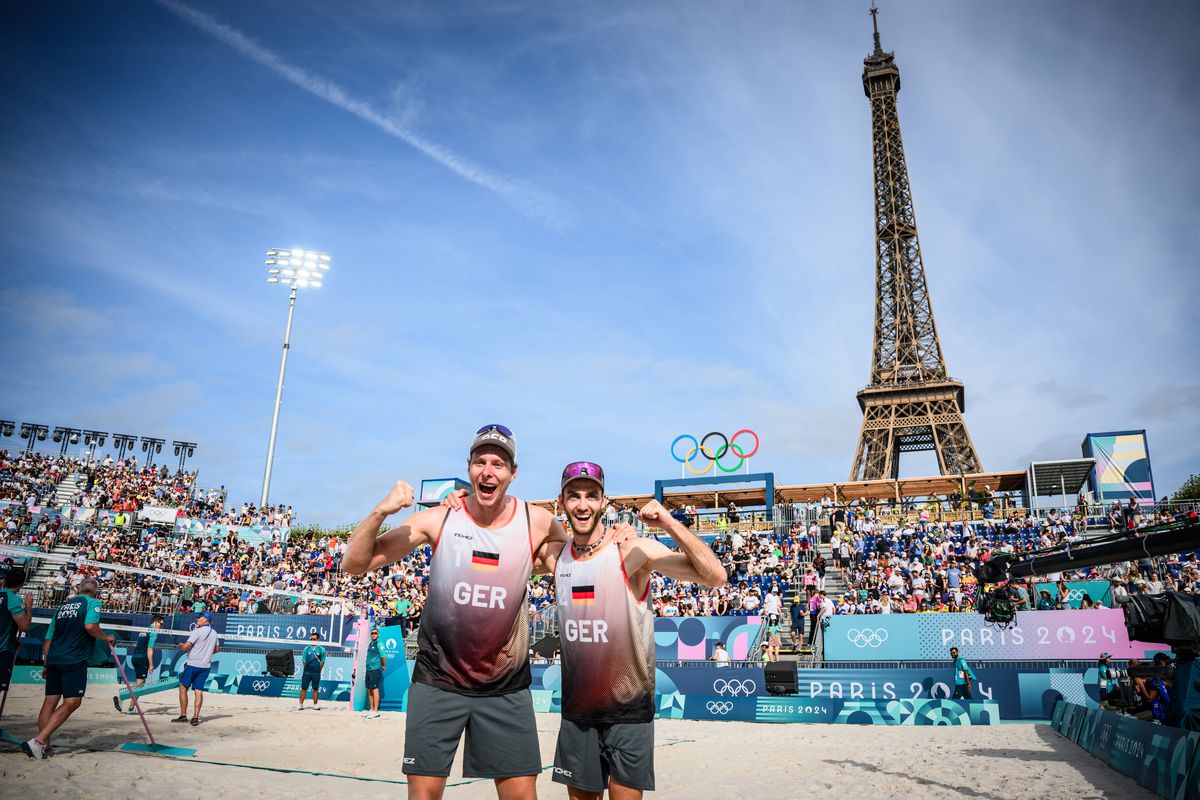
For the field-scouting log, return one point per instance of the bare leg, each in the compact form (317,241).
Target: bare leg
(617,791)
(579,794)
(522,787)
(198,698)
(57,718)
(425,787)
(183,700)
(48,706)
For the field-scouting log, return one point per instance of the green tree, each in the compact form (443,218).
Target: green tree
(1190,489)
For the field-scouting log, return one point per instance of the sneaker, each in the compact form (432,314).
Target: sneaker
(34,749)
(116,704)
(316,708)
(374,715)
(180,718)
(195,720)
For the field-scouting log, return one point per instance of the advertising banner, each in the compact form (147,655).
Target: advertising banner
(1099,591)
(1122,468)
(251,534)
(693,638)
(1036,635)
(160,514)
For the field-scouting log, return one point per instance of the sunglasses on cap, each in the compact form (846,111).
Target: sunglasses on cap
(583,469)
(495,426)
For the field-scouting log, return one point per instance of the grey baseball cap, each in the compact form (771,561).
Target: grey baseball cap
(498,435)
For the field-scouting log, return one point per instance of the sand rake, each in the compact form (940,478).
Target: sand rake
(153,746)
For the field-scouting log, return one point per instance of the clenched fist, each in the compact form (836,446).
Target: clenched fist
(654,514)
(401,496)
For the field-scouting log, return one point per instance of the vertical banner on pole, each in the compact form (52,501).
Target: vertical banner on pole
(358,685)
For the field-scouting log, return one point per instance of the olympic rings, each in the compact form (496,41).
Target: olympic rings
(734,687)
(700,448)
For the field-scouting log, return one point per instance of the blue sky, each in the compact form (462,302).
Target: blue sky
(601,224)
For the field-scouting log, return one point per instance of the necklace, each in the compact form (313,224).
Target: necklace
(584,549)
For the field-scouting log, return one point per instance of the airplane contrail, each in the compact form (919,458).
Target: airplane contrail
(528,198)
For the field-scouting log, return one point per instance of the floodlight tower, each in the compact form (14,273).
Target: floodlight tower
(65,437)
(184,450)
(92,440)
(32,432)
(150,446)
(294,268)
(124,442)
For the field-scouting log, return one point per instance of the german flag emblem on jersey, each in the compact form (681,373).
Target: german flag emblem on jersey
(583,595)
(482,560)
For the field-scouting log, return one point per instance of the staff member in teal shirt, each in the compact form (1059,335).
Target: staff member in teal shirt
(142,659)
(963,675)
(65,654)
(313,659)
(14,618)
(376,661)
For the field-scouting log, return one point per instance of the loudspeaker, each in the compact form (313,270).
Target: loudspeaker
(281,663)
(781,677)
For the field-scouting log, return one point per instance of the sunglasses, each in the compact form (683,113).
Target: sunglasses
(583,469)
(495,426)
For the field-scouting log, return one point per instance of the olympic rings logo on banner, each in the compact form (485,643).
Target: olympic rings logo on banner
(719,706)
(867,637)
(260,686)
(700,448)
(247,667)
(734,687)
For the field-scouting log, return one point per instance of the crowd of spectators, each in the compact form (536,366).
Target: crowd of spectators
(209,505)
(31,478)
(124,485)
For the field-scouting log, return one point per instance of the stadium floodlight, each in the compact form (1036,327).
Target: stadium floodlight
(124,442)
(6,427)
(32,432)
(92,440)
(66,437)
(294,268)
(150,446)
(184,450)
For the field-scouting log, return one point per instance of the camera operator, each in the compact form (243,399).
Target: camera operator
(1110,686)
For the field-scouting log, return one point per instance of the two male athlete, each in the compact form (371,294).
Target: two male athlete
(472,665)
(65,654)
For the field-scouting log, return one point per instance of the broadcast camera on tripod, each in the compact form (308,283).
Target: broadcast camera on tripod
(1173,618)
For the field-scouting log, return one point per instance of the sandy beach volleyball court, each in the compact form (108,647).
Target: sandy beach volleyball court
(693,759)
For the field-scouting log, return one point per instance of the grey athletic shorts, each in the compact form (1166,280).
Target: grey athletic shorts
(501,731)
(587,755)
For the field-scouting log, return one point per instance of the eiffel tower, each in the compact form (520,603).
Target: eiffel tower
(910,404)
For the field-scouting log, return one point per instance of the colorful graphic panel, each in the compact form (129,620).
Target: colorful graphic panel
(693,638)
(1037,635)
(1122,466)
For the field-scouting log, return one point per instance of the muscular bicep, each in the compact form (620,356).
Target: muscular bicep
(398,543)
(653,556)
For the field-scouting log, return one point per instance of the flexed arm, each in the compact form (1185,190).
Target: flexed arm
(368,550)
(695,561)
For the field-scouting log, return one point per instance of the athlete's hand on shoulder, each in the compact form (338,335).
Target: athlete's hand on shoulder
(455,499)
(624,532)
(653,513)
(401,496)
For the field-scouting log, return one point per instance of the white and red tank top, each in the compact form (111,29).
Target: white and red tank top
(607,640)
(474,634)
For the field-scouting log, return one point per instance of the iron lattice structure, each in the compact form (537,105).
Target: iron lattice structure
(911,403)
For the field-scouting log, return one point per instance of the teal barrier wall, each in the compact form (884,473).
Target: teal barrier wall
(1160,758)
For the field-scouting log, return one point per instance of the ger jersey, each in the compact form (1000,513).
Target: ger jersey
(607,639)
(474,634)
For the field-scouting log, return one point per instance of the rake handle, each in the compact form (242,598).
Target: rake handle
(136,704)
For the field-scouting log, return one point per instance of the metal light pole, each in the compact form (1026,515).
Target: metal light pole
(294,268)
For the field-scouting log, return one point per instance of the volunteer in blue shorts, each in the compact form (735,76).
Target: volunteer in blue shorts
(313,659)
(65,653)
(201,645)
(376,661)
